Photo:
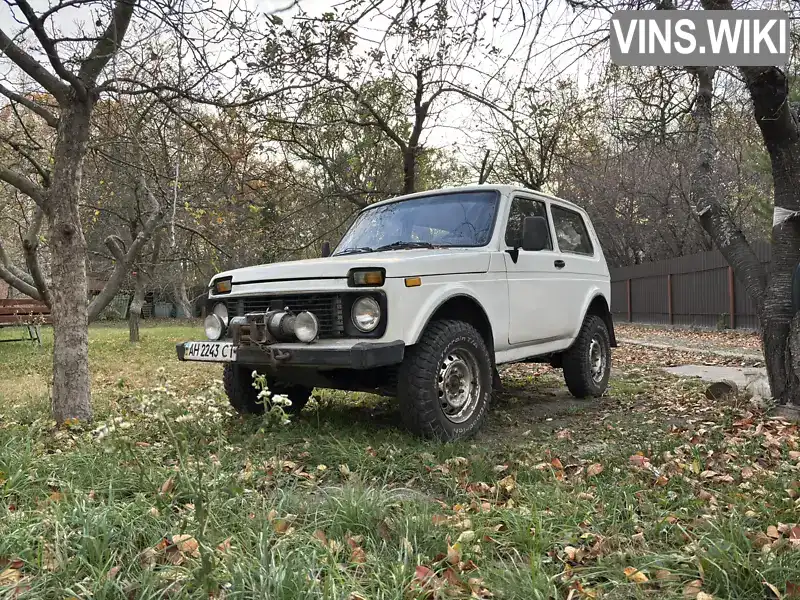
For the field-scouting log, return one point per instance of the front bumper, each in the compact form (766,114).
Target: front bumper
(359,356)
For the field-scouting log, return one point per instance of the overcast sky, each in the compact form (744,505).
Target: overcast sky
(552,52)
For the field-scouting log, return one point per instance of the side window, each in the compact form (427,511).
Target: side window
(521,208)
(571,231)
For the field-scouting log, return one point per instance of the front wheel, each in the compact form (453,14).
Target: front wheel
(238,383)
(445,382)
(587,363)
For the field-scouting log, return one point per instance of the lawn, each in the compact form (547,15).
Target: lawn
(652,491)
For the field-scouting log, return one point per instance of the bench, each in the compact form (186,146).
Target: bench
(25,312)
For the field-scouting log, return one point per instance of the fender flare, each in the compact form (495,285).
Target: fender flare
(438,302)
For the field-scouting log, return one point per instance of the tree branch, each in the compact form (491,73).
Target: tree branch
(24,185)
(33,69)
(109,43)
(30,246)
(43,173)
(126,259)
(11,275)
(34,107)
(49,47)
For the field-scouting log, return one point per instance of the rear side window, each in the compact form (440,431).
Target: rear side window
(521,208)
(571,231)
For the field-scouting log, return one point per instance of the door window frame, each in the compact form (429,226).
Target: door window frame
(548,216)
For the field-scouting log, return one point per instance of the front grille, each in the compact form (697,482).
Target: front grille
(327,307)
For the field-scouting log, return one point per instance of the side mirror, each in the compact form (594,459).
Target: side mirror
(326,249)
(534,234)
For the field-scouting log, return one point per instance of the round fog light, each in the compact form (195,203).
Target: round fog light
(214,327)
(306,327)
(366,314)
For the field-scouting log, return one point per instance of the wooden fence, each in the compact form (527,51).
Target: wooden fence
(697,290)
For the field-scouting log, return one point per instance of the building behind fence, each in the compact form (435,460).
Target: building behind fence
(698,290)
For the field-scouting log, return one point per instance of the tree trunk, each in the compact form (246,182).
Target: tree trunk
(69,291)
(182,297)
(770,94)
(410,170)
(135,313)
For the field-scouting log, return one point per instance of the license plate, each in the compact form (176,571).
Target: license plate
(210,351)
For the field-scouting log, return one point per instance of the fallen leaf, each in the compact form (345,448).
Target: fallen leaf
(638,460)
(792,589)
(112,573)
(556,464)
(635,575)
(187,545)
(357,555)
(453,555)
(10,577)
(507,484)
(594,470)
(224,546)
(167,486)
(773,532)
(692,589)
(574,554)
(439,520)
(747,473)
(776,595)
(320,535)
(466,537)
(703,596)
(665,575)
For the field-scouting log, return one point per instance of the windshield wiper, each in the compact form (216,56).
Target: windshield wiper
(360,250)
(404,246)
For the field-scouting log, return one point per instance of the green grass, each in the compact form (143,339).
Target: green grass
(342,503)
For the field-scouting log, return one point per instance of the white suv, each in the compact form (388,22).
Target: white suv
(423,297)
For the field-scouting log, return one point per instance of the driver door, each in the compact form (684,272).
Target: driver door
(536,313)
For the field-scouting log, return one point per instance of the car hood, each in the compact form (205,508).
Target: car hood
(398,263)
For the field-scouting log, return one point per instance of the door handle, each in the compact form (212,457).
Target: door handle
(559,264)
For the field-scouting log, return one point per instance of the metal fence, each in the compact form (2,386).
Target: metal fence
(698,290)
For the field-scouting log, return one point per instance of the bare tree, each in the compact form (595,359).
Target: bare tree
(71,72)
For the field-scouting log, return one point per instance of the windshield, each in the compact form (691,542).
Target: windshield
(440,220)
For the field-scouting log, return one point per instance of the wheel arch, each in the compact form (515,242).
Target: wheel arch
(598,306)
(463,307)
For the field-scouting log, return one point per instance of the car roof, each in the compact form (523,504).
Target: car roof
(503,189)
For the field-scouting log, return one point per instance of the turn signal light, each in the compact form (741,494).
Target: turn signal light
(223,286)
(413,282)
(367,278)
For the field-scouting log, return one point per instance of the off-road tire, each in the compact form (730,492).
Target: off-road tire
(577,364)
(417,386)
(238,383)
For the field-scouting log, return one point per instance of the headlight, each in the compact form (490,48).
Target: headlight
(366,314)
(222,312)
(214,327)
(306,327)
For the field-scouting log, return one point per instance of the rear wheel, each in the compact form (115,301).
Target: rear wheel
(238,383)
(445,382)
(587,363)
